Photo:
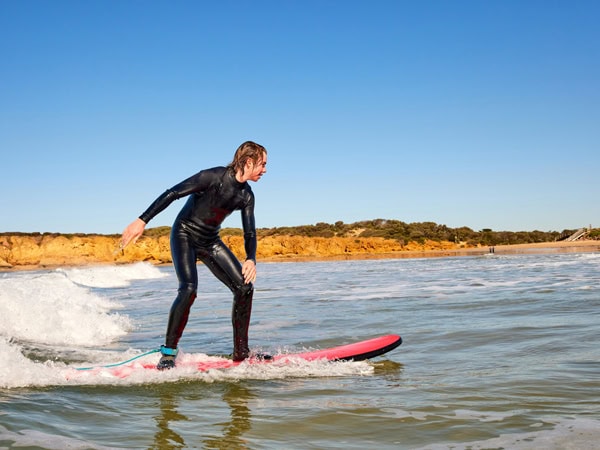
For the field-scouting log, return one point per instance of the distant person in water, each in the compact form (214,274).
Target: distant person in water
(213,195)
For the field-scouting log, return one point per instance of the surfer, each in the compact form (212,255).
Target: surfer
(213,195)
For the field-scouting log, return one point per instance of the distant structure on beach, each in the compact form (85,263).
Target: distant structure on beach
(579,234)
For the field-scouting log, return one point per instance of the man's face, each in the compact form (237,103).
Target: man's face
(256,170)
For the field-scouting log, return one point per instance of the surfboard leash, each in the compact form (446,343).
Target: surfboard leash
(107,366)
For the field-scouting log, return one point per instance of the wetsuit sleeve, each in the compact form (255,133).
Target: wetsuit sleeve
(249,228)
(195,183)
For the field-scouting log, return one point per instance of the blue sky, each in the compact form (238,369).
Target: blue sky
(465,113)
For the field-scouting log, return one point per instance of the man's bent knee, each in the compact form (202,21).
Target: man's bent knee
(244,290)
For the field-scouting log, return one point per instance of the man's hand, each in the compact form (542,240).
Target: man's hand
(249,271)
(132,233)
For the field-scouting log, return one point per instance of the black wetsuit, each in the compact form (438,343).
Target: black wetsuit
(213,195)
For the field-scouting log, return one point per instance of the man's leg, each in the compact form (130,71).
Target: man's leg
(226,267)
(184,261)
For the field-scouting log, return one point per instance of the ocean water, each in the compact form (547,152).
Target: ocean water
(498,352)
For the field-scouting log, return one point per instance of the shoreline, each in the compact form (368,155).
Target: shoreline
(590,246)
(587,246)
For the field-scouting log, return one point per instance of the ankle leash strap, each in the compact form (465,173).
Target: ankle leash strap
(166,351)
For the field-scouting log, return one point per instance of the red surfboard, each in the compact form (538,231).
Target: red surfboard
(358,351)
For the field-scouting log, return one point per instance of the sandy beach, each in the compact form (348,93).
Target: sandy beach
(542,247)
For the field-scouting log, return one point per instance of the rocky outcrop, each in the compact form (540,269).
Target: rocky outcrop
(34,251)
(50,250)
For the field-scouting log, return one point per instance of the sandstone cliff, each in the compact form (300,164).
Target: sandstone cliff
(50,250)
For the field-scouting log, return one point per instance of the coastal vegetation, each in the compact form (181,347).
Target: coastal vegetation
(418,232)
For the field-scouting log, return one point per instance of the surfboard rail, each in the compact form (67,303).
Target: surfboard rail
(357,351)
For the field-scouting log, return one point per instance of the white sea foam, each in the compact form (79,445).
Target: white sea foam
(488,416)
(135,373)
(51,309)
(39,439)
(23,371)
(567,434)
(48,314)
(112,276)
